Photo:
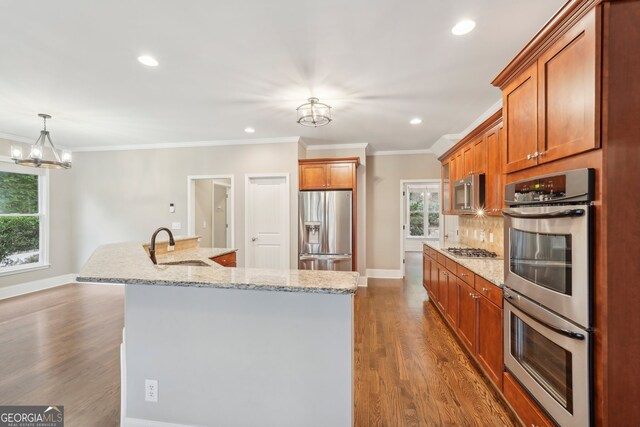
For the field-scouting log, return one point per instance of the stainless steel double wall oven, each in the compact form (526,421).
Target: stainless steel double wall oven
(548,296)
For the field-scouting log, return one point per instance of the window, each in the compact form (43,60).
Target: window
(423,211)
(23,223)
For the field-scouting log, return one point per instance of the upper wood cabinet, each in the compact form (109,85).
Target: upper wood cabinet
(551,110)
(328,174)
(467,155)
(520,109)
(494,182)
(480,155)
(567,78)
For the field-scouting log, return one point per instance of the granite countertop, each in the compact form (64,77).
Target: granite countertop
(128,263)
(490,269)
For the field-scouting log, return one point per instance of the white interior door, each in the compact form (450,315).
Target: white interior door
(267,222)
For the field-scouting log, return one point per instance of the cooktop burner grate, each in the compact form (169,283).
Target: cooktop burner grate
(472,253)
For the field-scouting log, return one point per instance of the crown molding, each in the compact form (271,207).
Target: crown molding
(17,138)
(363,145)
(188,144)
(401,152)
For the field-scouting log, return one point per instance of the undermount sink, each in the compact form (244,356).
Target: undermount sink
(187,263)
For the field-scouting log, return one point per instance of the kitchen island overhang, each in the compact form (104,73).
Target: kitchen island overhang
(249,347)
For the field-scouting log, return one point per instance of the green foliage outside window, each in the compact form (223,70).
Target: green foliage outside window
(18,234)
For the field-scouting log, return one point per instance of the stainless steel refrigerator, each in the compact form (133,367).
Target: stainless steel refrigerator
(325,234)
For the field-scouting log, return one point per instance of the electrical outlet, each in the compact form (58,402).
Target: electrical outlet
(475,234)
(490,237)
(151,390)
(482,236)
(176,226)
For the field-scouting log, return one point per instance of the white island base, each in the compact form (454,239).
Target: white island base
(237,357)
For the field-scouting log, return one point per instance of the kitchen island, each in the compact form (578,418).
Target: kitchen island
(230,346)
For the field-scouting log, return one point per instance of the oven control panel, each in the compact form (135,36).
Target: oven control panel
(574,186)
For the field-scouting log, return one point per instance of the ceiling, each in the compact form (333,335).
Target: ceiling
(226,65)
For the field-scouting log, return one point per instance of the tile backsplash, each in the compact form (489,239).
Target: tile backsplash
(476,231)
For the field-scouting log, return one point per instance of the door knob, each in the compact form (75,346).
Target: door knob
(253,239)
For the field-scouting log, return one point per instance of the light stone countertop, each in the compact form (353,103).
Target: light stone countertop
(128,263)
(490,269)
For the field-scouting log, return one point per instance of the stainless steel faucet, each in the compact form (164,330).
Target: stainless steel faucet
(152,246)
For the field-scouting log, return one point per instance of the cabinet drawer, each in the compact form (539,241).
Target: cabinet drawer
(451,265)
(489,290)
(228,260)
(524,406)
(465,275)
(441,259)
(433,253)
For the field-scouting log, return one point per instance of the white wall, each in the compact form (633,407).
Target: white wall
(61,252)
(125,195)
(384,174)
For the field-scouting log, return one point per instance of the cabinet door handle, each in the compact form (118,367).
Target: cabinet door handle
(485,290)
(462,274)
(533,156)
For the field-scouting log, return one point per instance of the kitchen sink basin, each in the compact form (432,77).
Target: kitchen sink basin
(187,263)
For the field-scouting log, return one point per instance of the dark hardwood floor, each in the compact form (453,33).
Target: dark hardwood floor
(410,371)
(61,346)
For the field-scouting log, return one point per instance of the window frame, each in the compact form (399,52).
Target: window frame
(7,165)
(417,188)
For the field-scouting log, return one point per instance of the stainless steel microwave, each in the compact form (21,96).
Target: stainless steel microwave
(468,194)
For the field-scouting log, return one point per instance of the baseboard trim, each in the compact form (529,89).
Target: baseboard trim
(375,273)
(138,422)
(36,285)
(362,281)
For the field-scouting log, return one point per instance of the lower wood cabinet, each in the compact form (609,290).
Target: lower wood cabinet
(489,345)
(228,260)
(443,295)
(467,319)
(524,406)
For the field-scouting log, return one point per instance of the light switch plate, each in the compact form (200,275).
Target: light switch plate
(176,226)
(490,237)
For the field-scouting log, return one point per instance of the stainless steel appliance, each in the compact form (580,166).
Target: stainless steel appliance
(468,194)
(325,230)
(548,291)
(550,357)
(547,246)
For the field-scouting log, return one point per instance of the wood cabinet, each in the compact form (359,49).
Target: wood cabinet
(567,75)
(467,155)
(551,110)
(328,174)
(489,345)
(313,176)
(494,181)
(525,407)
(443,295)
(520,109)
(447,171)
(479,153)
(467,318)
(227,260)
(426,271)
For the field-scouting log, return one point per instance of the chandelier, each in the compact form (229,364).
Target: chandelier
(314,113)
(61,159)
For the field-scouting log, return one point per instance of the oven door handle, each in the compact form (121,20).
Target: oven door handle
(566,333)
(567,213)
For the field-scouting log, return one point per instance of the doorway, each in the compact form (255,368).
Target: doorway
(420,215)
(267,221)
(210,209)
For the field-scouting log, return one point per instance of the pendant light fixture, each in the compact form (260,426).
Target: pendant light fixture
(61,158)
(314,113)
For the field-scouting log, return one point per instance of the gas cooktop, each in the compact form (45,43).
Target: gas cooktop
(471,253)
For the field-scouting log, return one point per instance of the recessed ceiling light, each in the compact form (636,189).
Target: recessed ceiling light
(249,130)
(149,61)
(463,27)
(415,121)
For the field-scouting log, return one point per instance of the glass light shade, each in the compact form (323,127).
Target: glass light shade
(16,152)
(66,157)
(314,113)
(36,152)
